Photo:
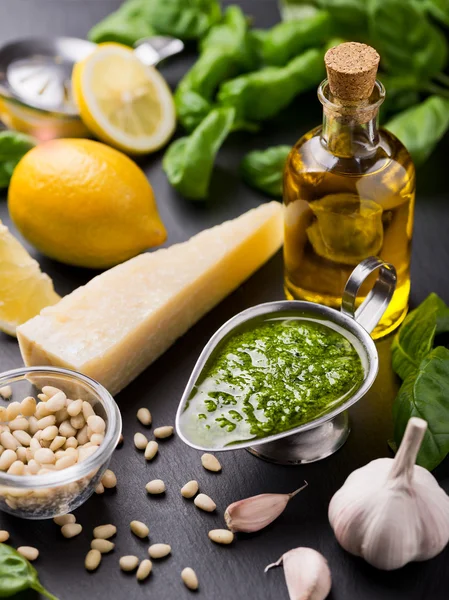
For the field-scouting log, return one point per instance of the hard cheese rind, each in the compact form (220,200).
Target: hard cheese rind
(121,321)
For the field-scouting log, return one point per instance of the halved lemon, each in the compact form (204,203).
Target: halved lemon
(25,290)
(123,102)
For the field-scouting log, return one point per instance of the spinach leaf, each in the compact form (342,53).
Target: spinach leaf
(263,94)
(189,161)
(13,145)
(415,338)
(426,395)
(439,9)
(264,169)
(406,40)
(184,19)
(17,574)
(126,25)
(421,127)
(288,39)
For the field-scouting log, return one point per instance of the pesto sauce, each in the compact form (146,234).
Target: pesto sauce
(270,377)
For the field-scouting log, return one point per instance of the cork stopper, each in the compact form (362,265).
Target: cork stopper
(351,71)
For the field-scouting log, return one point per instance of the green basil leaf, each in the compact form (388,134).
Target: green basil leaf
(349,17)
(191,108)
(263,94)
(402,92)
(126,25)
(17,574)
(13,145)
(264,169)
(414,340)
(189,161)
(293,10)
(290,38)
(404,37)
(184,19)
(439,9)
(426,395)
(421,127)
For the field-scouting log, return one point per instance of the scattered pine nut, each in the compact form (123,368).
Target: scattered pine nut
(156,486)
(29,552)
(189,578)
(71,530)
(221,536)
(128,563)
(159,550)
(151,450)
(6,392)
(4,536)
(144,569)
(139,529)
(140,441)
(99,489)
(109,480)
(163,432)
(92,560)
(144,416)
(190,489)
(104,532)
(211,463)
(65,519)
(103,546)
(205,503)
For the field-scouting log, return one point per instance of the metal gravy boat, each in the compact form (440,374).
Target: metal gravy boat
(324,435)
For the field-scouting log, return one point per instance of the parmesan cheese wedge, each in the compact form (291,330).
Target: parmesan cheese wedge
(115,326)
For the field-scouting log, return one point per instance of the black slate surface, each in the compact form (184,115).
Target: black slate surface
(225,573)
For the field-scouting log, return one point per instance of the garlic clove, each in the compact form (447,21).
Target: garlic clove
(307,574)
(255,513)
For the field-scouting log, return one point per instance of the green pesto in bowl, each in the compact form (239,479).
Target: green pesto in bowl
(268,376)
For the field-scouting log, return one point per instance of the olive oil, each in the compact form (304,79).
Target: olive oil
(349,193)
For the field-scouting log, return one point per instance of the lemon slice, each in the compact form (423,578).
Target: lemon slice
(25,290)
(123,102)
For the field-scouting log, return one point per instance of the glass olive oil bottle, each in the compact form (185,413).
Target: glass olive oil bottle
(349,190)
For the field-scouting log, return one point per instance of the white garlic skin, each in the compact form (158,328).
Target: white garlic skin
(390,521)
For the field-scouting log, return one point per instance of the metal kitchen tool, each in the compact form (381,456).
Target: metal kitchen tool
(35,82)
(324,435)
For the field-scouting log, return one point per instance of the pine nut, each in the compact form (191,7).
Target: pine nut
(28,552)
(64,519)
(4,536)
(22,437)
(66,429)
(65,462)
(78,422)
(151,450)
(97,439)
(18,423)
(17,468)
(32,425)
(75,407)
(12,411)
(45,456)
(211,463)
(50,391)
(6,392)
(140,441)
(163,432)
(8,440)
(156,486)
(159,550)
(190,489)
(33,467)
(46,422)
(49,433)
(42,410)
(34,444)
(84,453)
(103,546)
(71,530)
(56,402)
(96,424)
(128,563)
(144,569)
(92,560)
(71,442)
(58,443)
(22,454)
(62,415)
(99,489)
(88,411)
(144,416)
(82,437)
(189,578)
(42,397)
(205,503)
(139,529)
(109,480)
(3,418)
(104,532)
(221,536)
(28,406)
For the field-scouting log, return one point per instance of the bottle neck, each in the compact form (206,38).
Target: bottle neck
(348,138)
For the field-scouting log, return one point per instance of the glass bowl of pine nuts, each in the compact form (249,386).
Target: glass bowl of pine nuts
(58,430)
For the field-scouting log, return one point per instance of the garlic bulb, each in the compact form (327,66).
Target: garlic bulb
(307,574)
(391,511)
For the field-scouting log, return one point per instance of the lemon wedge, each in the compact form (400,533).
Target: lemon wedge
(25,290)
(123,102)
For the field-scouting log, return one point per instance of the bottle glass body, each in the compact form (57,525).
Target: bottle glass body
(349,192)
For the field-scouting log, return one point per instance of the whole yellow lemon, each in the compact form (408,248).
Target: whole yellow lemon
(84,204)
